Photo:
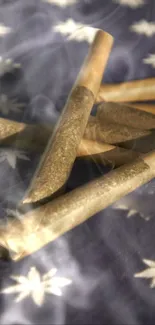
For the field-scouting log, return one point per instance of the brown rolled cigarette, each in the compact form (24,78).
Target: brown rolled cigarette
(150,108)
(143,145)
(49,221)
(57,161)
(24,136)
(112,133)
(29,137)
(125,115)
(35,137)
(105,154)
(131,91)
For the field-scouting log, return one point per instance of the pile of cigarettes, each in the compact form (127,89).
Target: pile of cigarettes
(121,135)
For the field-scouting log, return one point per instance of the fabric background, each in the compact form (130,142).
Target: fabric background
(102,255)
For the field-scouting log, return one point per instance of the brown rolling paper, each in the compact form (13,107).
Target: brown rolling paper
(29,137)
(150,108)
(131,91)
(143,145)
(49,221)
(125,115)
(105,154)
(35,137)
(112,133)
(61,151)
(24,136)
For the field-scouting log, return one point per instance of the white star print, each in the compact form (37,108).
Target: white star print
(150,60)
(131,212)
(61,3)
(131,3)
(148,273)
(76,31)
(4,30)
(7,65)
(36,286)
(144,27)
(11,156)
(7,105)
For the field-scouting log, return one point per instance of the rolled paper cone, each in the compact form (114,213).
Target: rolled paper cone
(57,161)
(24,136)
(150,108)
(112,133)
(142,145)
(105,154)
(35,137)
(9,128)
(125,115)
(29,137)
(49,221)
(131,91)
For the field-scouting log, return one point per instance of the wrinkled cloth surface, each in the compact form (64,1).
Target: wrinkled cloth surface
(103,271)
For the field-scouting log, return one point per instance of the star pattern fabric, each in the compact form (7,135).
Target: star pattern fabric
(103,271)
(34,286)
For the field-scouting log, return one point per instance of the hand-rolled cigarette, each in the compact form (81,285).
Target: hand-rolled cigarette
(112,133)
(105,154)
(142,145)
(24,136)
(57,161)
(150,108)
(35,137)
(49,221)
(28,137)
(125,115)
(131,91)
